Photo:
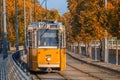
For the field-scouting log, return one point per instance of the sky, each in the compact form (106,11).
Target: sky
(60,5)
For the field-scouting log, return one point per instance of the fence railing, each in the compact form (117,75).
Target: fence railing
(22,65)
(11,69)
(97,51)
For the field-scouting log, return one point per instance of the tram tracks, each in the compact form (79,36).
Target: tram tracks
(55,75)
(85,72)
(63,75)
(74,72)
(77,70)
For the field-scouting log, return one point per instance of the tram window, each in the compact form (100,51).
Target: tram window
(62,40)
(30,39)
(47,38)
(64,43)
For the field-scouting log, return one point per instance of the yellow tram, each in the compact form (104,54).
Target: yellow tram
(46,46)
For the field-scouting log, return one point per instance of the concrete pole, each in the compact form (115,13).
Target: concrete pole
(79,48)
(106,48)
(25,26)
(117,55)
(86,52)
(46,7)
(30,15)
(0,25)
(16,8)
(95,51)
(4,31)
(34,10)
(1,19)
(105,4)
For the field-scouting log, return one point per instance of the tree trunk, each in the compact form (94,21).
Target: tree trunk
(117,54)
(89,50)
(86,49)
(79,48)
(101,50)
(71,48)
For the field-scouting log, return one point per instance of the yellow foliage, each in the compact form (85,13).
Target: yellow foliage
(109,5)
(39,12)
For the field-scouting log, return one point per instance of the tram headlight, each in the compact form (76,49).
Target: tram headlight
(48,59)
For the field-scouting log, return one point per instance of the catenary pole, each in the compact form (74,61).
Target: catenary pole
(25,25)
(105,4)
(16,9)
(1,19)
(4,31)
(34,10)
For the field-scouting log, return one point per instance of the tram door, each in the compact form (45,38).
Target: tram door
(32,50)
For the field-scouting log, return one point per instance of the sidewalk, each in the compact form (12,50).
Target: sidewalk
(108,66)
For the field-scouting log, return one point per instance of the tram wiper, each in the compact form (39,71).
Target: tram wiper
(45,30)
(43,33)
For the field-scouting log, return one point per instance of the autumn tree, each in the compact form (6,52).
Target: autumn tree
(66,21)
(86,17)
(113,18)
(35,12)
(53,14)
(90,19)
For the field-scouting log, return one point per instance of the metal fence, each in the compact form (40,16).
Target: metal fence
(113,48)
(11,69)
(98,50)
(24,74)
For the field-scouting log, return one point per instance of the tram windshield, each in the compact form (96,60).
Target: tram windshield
(47,38)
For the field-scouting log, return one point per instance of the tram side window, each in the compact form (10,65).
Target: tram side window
(60,41)
(64,40)
(30,39)
(33,39)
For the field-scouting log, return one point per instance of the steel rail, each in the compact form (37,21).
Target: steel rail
(85,72)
